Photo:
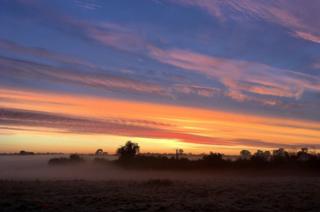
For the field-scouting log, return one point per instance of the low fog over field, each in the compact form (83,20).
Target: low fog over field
(28,183)
(18,167)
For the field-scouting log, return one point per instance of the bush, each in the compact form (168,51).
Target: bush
(73,159)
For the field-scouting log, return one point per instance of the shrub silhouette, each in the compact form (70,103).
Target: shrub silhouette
(213,157)
(261,156)
(179,153)
(23,152)
(99,152)
(128,151)
(245,154)
(280,155)
(303,155)
(73,159)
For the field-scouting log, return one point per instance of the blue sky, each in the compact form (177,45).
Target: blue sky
(245,57)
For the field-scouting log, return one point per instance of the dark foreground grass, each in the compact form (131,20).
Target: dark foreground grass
(219,194)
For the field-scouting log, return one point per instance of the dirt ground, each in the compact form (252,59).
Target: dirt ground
(232,193)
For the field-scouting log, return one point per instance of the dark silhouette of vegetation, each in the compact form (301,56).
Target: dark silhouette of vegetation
(73,159)
(22,152)
(245,154)
(99,152)
(128,152)
(179,153)
(279,159)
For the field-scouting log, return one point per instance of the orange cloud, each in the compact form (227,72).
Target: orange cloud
(83,114)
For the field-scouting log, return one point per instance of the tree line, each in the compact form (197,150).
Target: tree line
(129,156)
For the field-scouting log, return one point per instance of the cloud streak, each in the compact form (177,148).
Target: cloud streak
(20,120)
(43,53)
(84,115)
(298,16)
(25,70)
(241,77)
(108,34)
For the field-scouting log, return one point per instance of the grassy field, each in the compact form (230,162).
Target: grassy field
(220,193)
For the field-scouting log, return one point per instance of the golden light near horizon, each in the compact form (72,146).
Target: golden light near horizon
(202,76)
(160,127)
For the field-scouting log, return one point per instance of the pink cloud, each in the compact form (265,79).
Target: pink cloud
(308,36)
(115,36)
(295,16)
(197,90)
(316,65)
(241,77)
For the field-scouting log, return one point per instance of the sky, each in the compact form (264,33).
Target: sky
(202,75)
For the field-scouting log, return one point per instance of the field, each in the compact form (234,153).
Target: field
(218,194)
(29,184)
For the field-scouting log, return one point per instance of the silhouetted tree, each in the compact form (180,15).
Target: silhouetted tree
(213,157)
(280,155)
(75,158)
(99,152)
(179,153)
(22,152)
(261,156)
(303,155)
(128,151)
(245,154)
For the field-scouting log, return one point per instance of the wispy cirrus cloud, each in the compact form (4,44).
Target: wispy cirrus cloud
(316,65)
(23,70)
(78,125)
(14,47)
(308,36)
(88,4)
(241,77)
(115,35)
(197,90)
(298,17)
(26,70)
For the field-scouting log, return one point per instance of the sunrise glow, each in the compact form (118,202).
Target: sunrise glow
(74,79)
